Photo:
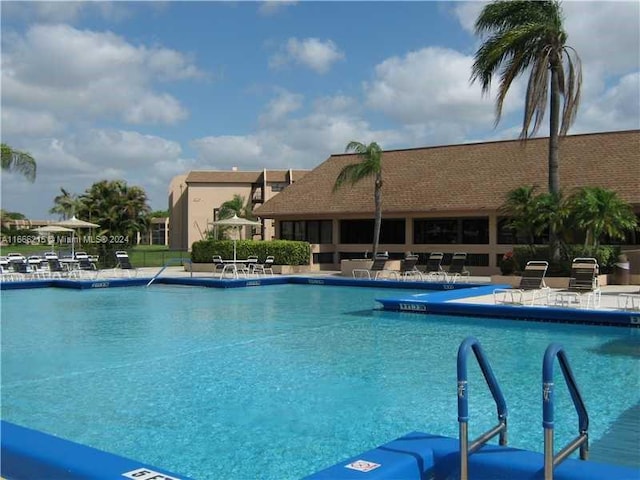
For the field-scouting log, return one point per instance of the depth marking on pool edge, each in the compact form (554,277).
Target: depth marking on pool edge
(363,465)
(146,474)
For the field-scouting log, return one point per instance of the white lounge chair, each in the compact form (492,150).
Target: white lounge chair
(530,288)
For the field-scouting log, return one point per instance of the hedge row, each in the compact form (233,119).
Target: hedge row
(285,252)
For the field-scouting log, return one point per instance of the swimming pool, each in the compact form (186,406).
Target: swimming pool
(280,381)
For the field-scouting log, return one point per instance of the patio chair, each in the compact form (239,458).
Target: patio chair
(531,286)
(629,301)
(85,265)
(263,268)
(123,262)
(218,265)
(377,267)
(457,268)
(409,268)
(433,269)
(583,289)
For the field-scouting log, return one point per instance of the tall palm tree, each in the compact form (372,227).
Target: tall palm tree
(17,161)
(529,36)
(599,212)
(369,166)
(66,204)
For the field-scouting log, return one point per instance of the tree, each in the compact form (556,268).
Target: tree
(122,211)
(17,161)
(66,204)
(236,206)
(600,212)
(521,207)
(369,166)
(525,35)
(228,209)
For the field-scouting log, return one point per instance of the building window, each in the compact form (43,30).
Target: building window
(510,236)
(440,230)
(158,234)
(392,231)
(475,231)
(451,230)
(312,231)
(278,187)
(319,258)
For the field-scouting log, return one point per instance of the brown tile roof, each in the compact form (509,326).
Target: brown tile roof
(466,177)
(218,176)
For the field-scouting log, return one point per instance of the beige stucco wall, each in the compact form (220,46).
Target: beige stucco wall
(191,208)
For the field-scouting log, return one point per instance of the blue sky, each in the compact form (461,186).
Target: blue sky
(144,91)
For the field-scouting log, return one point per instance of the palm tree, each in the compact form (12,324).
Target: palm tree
(228,209)
(66,204)
(525,35)
(16,161)
(369,166)
(521,207)
(599,212)
(236,206)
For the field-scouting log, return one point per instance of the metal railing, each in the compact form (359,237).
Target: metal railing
(471,343)
(582,440)
(168,264)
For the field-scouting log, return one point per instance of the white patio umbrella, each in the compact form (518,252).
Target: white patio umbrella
(237,223)
(47,229)
(74,223)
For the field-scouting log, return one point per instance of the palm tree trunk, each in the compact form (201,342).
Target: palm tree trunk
(554,173)
(378,215)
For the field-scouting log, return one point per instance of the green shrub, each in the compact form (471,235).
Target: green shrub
(285,252)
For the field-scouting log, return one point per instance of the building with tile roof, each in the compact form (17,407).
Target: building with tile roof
(445,198)
(195,198)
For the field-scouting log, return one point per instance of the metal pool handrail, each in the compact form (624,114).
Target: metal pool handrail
(582,440)
(471,343)
(168,263)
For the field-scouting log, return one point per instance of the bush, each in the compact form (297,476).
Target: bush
(508,264)
(285,252)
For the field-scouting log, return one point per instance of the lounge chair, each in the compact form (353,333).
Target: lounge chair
(629,301)
(124,263)
(84,264)
(218,265)
(531,286)
(457,268)
(377,267)
(409,268)
(263,268)
(433,269)
(583,290)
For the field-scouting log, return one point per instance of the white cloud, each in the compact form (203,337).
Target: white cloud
(70,11)
(617,109)
(271,7)
(312,53)
(18,121)
(431,86)
(73,73)
(278,108)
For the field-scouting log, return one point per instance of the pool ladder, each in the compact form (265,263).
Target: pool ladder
(168,264)
(550,460)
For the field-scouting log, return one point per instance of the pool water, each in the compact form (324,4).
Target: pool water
(278,382)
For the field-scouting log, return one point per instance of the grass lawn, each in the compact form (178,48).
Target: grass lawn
(140,255)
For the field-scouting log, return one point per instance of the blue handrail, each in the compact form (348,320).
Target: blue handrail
(582,440)
(472,344)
